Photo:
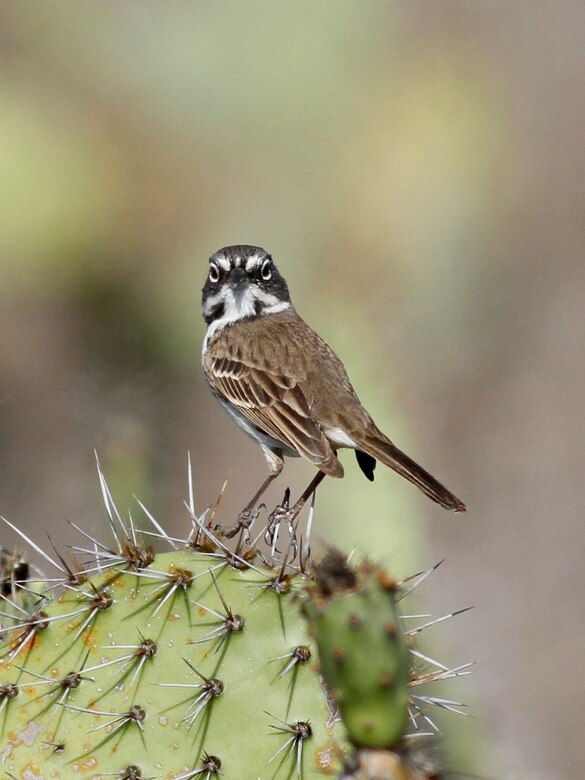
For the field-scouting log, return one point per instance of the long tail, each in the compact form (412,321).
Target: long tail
(381,448)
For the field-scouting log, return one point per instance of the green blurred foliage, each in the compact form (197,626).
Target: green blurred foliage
(139,139)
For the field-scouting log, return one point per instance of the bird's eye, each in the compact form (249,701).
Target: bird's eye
(213,274)
(266,270)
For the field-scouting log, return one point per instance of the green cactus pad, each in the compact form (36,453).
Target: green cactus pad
(199,662)
(186,668)
(364,656)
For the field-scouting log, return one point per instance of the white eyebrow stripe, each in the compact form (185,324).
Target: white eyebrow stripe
(222,261)
(254,261)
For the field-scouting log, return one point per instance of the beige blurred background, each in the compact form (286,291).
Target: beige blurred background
(417,170)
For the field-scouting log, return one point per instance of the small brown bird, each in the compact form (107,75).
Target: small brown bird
(283,385)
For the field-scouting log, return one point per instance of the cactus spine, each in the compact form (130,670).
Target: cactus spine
(199,662)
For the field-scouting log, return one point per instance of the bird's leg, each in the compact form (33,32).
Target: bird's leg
(250,511)
(307,493)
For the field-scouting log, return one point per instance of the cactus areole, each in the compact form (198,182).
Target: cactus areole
(243,662)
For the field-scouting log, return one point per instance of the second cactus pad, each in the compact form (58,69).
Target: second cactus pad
(363,653)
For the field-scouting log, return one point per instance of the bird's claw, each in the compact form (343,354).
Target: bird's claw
(282,513)
(245,520)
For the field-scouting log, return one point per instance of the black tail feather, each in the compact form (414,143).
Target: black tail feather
(366,463)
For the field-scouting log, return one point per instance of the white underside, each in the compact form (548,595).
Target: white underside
(336,436)
(339,438)
(263,439)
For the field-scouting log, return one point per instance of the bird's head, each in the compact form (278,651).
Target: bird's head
(242,283)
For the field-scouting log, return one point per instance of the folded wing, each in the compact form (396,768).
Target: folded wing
(274,403)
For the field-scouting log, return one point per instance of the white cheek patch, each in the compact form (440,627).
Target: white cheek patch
(280,306)
(270,303)
(240,307)
(211,303)
(266,299)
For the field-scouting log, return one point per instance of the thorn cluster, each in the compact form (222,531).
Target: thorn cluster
(159,663)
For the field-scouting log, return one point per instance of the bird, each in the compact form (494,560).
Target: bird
(283,385)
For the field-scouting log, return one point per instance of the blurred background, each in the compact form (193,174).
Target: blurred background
(417,171)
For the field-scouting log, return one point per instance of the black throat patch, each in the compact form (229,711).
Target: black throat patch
(216,313)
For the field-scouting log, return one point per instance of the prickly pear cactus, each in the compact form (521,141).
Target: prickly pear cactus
(363,653)
(199,662)
(180,669)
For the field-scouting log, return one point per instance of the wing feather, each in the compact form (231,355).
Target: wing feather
(275,403)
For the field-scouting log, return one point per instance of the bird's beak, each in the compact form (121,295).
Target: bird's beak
(237,277)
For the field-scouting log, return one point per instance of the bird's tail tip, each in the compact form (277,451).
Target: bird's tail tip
(457,505)
(378,446)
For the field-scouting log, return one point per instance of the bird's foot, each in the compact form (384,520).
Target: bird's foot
(283,513)
(245,520)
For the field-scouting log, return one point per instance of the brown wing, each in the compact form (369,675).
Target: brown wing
(270,397)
